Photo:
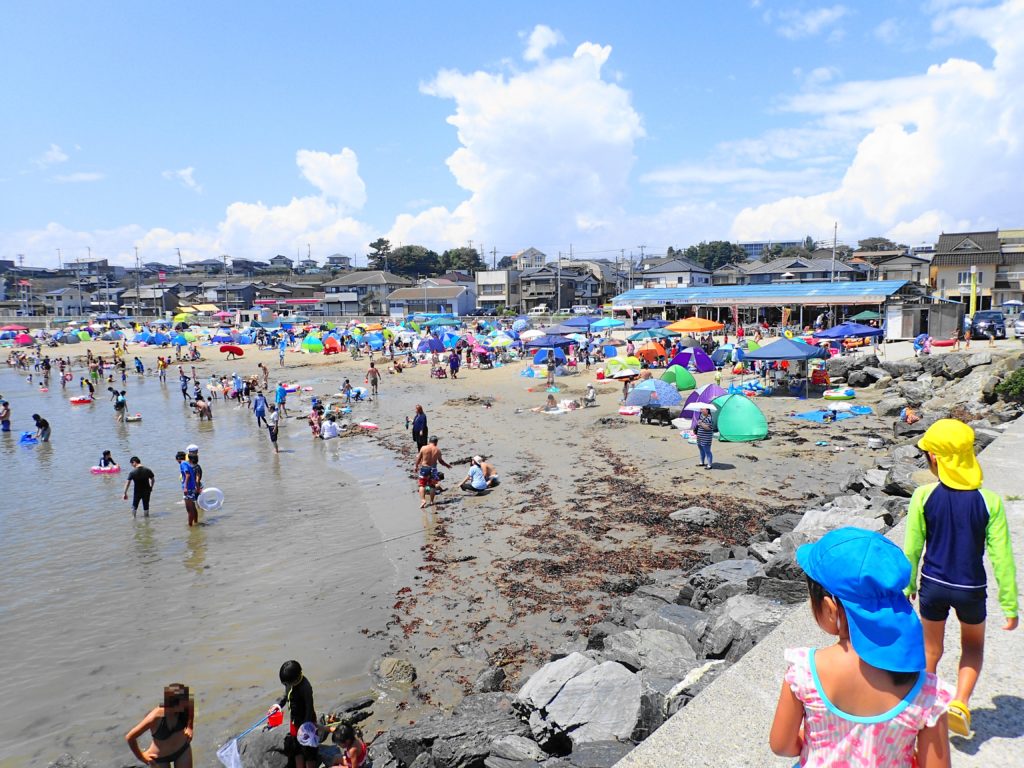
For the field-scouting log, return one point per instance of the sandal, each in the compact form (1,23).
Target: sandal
(959,717)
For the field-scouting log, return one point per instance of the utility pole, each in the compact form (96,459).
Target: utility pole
(180,266)
(558,284)
(494,258)
(138,290)
(78,275)
(224,256)
(60,263)
(835,231)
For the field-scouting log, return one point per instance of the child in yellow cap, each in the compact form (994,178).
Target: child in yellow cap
(955,521)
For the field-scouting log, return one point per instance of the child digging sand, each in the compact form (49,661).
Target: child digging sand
(867,699)
(955,521)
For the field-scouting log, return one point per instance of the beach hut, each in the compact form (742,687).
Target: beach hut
(695,358)
(654,392)
(679,377)
(739,420)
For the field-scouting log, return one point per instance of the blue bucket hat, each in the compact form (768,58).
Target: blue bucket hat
(867,573)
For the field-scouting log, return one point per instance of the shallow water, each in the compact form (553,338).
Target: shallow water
(98,611)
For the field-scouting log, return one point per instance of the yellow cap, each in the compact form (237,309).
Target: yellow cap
(951,442)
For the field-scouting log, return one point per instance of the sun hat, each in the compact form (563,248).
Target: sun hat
(193,448)
(952,443)
(478,459)
(307,735)
(867,573)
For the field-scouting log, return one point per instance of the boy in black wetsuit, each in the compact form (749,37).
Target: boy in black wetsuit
(298,696)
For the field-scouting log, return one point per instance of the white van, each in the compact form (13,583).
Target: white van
(540,309)
(581,309)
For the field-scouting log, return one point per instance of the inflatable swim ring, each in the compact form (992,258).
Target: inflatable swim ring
(291,387)
(789,334)
(210,499)
(44,389)
(629,410)
(68,377)
(81,400)
(943,342)
(368,425)
(839,394)
(105,470)
(307,389)
(135,417)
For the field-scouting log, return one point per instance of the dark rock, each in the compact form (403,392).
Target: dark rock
(839,366)
(763,550)
(875,477)
(903,431)
(352,704)
(600,704)
(635,606)
(884,383)
(908,454)
(666,594)
(858,379)
(380,753)
(499,762)
(598,633)
(695,516)
(983,438)
(575,644)
(890,406)
(517,748)
(598,754)
(866,361)
(979,358)
(854,481)
(739,553)
(900,480)
(490,680)
(681,619)
(954,365)
(715,583)
(423,761)
(263,749)
(781,590)
(718,554)
(876,373)
(642,648)
(932,364)
(738,624)
(914,392)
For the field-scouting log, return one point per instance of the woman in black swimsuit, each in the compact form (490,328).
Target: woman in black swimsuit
(171,729)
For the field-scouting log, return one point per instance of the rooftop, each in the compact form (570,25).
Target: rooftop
(843,292)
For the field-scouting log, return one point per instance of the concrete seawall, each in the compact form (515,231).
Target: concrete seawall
(727,724)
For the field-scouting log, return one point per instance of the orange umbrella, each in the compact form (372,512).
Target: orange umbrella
(694,325)
(652,350)
(374,327)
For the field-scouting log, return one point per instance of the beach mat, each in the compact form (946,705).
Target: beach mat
(818,417)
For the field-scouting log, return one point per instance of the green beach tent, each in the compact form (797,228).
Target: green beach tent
(311,343)
(739,420)
(679,376)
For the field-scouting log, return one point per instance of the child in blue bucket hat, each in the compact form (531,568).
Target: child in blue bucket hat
(867,699)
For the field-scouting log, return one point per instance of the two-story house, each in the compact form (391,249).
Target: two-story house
(67,301)
(281,262)
(529,258)
(674,273)
(548,286)
(362,293)
(498,289)
(800,269)
(957,254)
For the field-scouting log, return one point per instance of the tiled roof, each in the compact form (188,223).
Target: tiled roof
(808,265)
(841,292)
(966,248)
(429,292)
(675,265)
(370,277)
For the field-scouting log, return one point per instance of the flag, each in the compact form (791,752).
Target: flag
(25,282)
(161,276)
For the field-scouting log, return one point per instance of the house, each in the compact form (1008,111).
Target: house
(281,262)
(498,289)
(800,269)
(247,267)
(901,266)
(362,293)
(148,301)
(530,258)
(957,255)
(599,280)
(68,301)
(674,272)
(205,266)
(433,296)
(339,262)
(308,266)
(229,295)
(548,286)
(731,274)
(1010,273)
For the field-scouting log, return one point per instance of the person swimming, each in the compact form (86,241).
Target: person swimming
(106,460)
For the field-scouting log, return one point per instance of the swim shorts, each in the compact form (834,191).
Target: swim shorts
(428,477)
(190,495)
(936,600)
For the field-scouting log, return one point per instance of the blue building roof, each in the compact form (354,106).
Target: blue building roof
(775,294)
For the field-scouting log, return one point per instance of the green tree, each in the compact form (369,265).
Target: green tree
(771,252)
(461,259)
(380,250)
(795,252)
(809,244)
(877,244)
(413,260)
(505,262)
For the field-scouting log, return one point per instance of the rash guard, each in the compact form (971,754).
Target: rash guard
(954,529)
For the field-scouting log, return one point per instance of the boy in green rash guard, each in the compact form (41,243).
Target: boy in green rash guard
(955,521)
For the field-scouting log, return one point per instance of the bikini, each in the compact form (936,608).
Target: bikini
(164,731)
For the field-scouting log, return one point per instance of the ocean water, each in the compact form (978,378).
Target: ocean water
(99,611)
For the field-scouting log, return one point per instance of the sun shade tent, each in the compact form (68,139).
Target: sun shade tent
(312,343)
(654,322)
(614,365)
(652,350)
(695,355)
(739,420)
(849,330)
(644,394)
(695,325)
(705,394)
(679,377)
(542,355)
(867,314)
(787,349)
(549,341)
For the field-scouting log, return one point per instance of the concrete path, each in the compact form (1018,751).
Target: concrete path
(728,723)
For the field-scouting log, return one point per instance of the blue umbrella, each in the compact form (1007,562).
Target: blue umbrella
(606,322)
(550,341)
(179,341)
(642,393)
(787,349)
(520,325)
(847,330)
(581,322)
(430,345)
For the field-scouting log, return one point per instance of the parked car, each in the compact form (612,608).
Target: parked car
(487,312)
(540,309)
(1018,327)
(581,309)
(988,321)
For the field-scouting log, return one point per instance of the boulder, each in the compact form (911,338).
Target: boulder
(979,358)
(574,644)
(851,502)
(263,749)
(858,379)
(876,373)
(780,590)
(839,366)
(954,365)
(546,682)
(390,670)
(908,454)
(903,431)
(599,633)
(780,524)
(763,550)
(632,607)
(983,438)
(598,754)
(642,648)
(900,479)
(695,516)
(932,364)
(517,748)
(489,680)
(718,554)
(717,582)
(600,704)
(890,406)
(824,520)
(738,624)
(681,619)
(900,368)
(854,481)
(884,383)
(875,477)
(914,392)
(663,592)
(424,760)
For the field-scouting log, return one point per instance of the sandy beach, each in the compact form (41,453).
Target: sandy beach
(508,576)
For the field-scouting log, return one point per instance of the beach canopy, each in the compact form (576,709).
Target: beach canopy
(16,328)
(867,314)
(430,345)
(584,321)
(653,333)
(549,341)
(606,322)
(787,349)
(679,377)
(654,322)
(693,357)
(695,325)
(542,355)
(654,392)
(739,420)
(531,334)
(848,330)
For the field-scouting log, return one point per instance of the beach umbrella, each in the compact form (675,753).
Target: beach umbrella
(654,391)
(695,325)
(519,325)
(787,349)
(430,345)
(581,321)
(606,322)
(502,340)
(705,394)
(16,328)
(223,313)
(697,407)
(849,330)
(654,322)
(867,314)
(679,377)
(531,334)
(625,373)
(549,341)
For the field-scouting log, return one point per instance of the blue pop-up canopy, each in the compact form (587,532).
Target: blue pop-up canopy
(787,349)
(848,330)
(549,341)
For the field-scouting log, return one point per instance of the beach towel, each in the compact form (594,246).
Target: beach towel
(819,416)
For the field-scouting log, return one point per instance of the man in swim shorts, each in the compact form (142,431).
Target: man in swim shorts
(144,480)
(426,470)
(189,486)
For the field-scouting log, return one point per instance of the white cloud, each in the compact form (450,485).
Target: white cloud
(337,176)
(185,177)
(540,39)
(797,24)
(936,151)
(79,177)
(547,150)
(889,31)
(52,156)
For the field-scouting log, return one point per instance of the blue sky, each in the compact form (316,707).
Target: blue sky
(256,128)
